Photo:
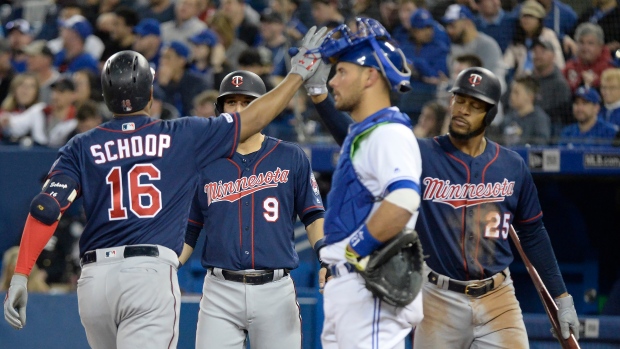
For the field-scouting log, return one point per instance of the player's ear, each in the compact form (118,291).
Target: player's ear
(371,76)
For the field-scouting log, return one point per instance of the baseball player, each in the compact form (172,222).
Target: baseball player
(137,177)
(472,191)
(249,204)
(376,186)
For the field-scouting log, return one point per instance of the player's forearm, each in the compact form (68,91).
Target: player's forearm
(387,221)
(315,231)
(186,253)
(265,108)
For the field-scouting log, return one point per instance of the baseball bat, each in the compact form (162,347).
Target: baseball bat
(548,303)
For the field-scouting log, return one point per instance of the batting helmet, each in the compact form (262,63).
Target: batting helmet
(482,84)
(126,81)
(240,82)
(370,46)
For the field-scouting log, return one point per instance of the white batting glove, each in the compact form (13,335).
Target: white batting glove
(303,63)
(15,302)
(567,316)
(317,83)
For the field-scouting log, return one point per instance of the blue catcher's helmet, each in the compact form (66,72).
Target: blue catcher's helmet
(370,46)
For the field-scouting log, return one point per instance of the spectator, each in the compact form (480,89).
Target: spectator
(204,103)
(93,45)
(73,57)
(88,88)
(554,95)
(288,9)
(226,33)
(610,91)
(209,57)
(525,123)
(19,34)
(160,109)
(185,23)
(243,28)
(22,113)
(459,63)
(160,10)
(592,57)
(431,120)
(605,13)
(466,39)
(36,281)
(405,9)
(88,116)
(589,130)
(177,81)
(272,34)
(40,62)
(366,8)
(530,27)
(324,11)
(60,118)
(495,22)
(6,69)
(560,18)
(148,40)
(122,34)
(428,47)
(258,61)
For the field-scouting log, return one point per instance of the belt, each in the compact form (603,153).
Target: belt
(473,289)
(259,277)
(129,251)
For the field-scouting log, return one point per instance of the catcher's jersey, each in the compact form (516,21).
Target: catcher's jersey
(249,205)
(468,204)
(138,175)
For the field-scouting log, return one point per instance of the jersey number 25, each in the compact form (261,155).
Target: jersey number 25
(137,192)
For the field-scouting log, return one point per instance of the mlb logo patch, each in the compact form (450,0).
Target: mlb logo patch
(130,126)
(110,254)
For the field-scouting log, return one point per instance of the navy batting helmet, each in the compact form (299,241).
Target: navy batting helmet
(482,84)
(240,82)
(370,46)
(126,80)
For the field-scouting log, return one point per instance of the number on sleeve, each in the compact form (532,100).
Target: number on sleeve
(139,193)
(271,209)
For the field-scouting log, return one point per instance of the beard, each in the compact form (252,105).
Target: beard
(467,135)
(350,103)
(459,38)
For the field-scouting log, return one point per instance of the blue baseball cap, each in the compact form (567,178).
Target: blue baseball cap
(588,95)
(180,48)
(147,26)
(456,12)
(80,25)
(205,37)
(420,19)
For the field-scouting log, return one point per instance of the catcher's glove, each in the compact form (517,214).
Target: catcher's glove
(394,272)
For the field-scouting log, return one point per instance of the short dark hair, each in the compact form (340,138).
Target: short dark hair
(252,56)
(87,110)
(469,59)
(128,14)
(528,82)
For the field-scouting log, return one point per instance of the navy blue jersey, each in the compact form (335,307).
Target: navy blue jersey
(249,205)
(138,175)
(468,204)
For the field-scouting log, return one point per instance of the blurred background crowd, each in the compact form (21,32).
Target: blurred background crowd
(557,61)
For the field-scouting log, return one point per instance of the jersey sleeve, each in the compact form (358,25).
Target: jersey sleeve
(215,137)
(196,217)
(528,208)
(392,154)
(67,163)
(307,196)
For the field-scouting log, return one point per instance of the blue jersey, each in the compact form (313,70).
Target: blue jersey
(249,205)
(601,134)
(468,205)
(138,175)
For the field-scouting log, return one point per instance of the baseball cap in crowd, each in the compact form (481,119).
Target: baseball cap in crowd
(18,24)
(533,8)
(269,16)
(180,48)
(543,43)
(79,24)
(456,12)
(147,26)
(38,48)
(205,37)
(420,19)
(63,84)
(588,95)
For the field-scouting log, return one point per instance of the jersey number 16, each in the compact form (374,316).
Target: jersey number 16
(137,192)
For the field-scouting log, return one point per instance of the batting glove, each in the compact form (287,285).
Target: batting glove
(15,302)
(567,316)
(304,63)
(317,83)
(352,257)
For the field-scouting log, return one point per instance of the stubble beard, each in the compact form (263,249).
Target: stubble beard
(468,135)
